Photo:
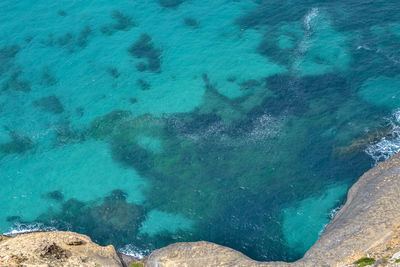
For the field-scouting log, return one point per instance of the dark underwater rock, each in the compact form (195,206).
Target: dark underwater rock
(19,144)
(113,72)
(7,55)
(66,135)
(122,22)
(170,3)
(48,78)
(15,83)
(144,48)
(62,13)
(83,36)
(50,104)
(144,85)
(111,220)
(191,22)
(56,195)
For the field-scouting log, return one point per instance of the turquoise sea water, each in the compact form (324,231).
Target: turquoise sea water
(147,122)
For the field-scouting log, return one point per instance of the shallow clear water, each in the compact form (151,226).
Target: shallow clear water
(143,123)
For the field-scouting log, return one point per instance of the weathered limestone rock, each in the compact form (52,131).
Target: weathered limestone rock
(198,254)
(56,249)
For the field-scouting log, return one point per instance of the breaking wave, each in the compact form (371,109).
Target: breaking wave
(20,228)
(133,251)
(388,145)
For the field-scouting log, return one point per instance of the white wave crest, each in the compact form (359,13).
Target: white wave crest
(309,17)
(20,228)
(333,212)
(307,24)
(133,251)
(388,145)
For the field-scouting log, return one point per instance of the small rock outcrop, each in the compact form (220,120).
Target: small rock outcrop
(55,249)
(198,254)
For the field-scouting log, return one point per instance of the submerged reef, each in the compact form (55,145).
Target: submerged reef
(7,56)
(220,167)
(107,221)
(19,144)
(122,22)
(62,13)
(16,83)
(70,41)
(65,134)
(191,22)
(56,195)
(144,48)
(48,79)
(223,152)
(144,85)
(113,72)
(50,104)
(170,3)
(83,36)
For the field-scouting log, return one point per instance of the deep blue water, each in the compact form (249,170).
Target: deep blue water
(148,122)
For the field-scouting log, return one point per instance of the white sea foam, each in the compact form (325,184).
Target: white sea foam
(20,228)
(388,145)
(333,212)
(134,251)
(309,17)
(308,27)
(264,127)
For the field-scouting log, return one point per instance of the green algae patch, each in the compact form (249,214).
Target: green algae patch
(365,261)
(104,125)
(112,220)
(136,264)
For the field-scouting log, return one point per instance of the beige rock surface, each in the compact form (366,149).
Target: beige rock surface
(55,249)
(198,254)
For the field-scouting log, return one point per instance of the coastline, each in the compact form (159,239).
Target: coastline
(368,225)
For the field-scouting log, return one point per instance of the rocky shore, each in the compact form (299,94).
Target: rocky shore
(366,231)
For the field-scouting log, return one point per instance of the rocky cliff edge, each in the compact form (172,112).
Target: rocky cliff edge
(366,231)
